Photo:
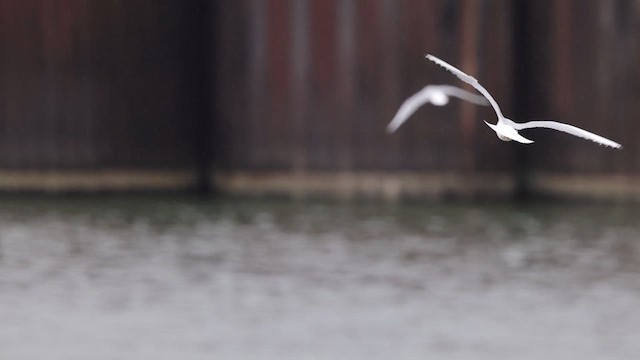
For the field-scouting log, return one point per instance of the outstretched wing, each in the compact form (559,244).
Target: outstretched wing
(457,72)
(426,95)
(464,95)
(469,80)
(569,129)
(409,107)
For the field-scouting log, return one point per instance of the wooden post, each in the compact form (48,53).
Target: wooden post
(469,34)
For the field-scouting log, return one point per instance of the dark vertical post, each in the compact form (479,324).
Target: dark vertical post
(346,81)
(522,82)
(299,77)
(203,45)
(469,31)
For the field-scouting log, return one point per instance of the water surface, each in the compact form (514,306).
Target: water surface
(177,278)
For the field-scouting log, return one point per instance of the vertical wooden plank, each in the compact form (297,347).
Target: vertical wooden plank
(562,97)
(80,112)
(624,128)
(346,93)
(469,30)
(277,80)
(64,141)
(231,85)
(368,23)
(22,73)
(47,132)
(388,80)
(300,85)
(322,121)
(257,82)
(116,71)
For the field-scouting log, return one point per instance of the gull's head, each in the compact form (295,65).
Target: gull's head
(439,98)
(508,133)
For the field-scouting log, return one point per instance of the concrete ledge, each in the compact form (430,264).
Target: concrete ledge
(584,186)
(393,186)
(346,185)
(390,186)
(94,181)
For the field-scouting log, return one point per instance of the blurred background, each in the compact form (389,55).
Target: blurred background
(292,97)
(315,83)
(169,173)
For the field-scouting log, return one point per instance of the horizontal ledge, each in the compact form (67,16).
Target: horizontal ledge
(328,184)
(426,185)
(588,186)
(363,184)
(97,180)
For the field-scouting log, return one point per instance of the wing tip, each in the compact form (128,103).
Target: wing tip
(611,144)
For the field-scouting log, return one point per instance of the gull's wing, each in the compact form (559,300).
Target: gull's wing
(464,95)
(424,96)
(469,80)
(410,106)
(569,129)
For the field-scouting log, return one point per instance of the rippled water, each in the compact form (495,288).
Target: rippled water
(176,278)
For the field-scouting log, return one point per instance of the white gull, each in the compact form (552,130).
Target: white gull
(507,129)
(435,94)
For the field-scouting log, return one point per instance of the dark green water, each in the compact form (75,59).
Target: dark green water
(176,277)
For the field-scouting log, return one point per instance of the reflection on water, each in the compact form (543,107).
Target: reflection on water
(172,278)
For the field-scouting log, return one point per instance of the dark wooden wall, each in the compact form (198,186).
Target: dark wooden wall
(586,72)
(97,84)
(310,85)
(304,86)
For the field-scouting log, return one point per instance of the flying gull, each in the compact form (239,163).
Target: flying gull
(435,94)
(507,129)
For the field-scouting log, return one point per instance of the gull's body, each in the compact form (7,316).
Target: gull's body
(507,129)
(435,94)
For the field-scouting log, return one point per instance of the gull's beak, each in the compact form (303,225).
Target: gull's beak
(507,133)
